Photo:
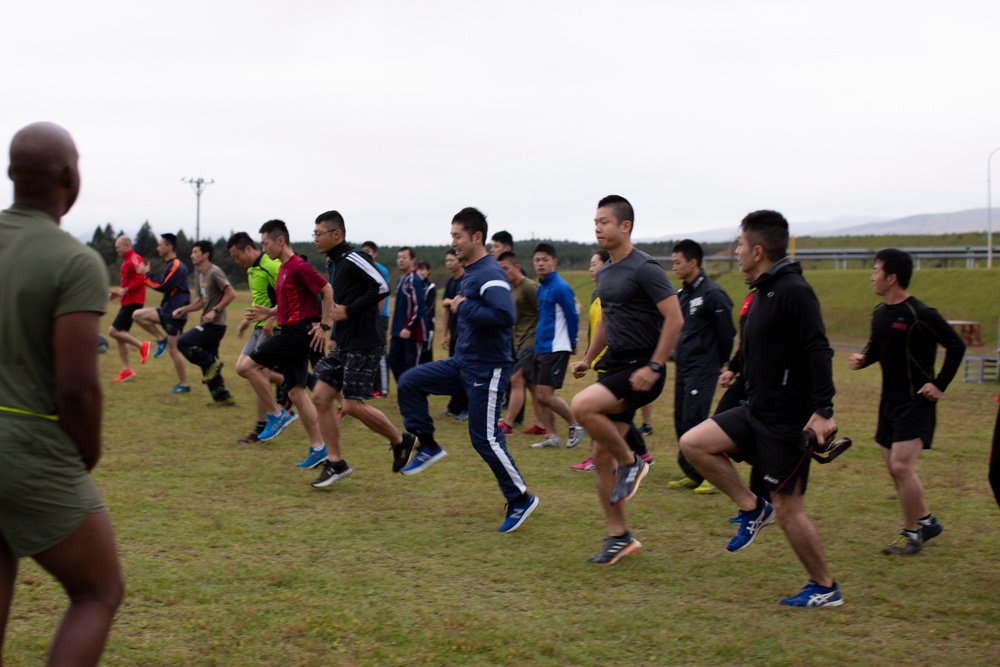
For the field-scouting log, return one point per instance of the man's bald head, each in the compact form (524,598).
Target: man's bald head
(122,245)
(43,167)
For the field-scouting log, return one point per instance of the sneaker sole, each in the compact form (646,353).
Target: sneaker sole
(543,445)
(635,488)
(767,522)
(630,549)
(527,513)
(426,464)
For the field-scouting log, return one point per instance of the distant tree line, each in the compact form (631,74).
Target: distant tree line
(573,256)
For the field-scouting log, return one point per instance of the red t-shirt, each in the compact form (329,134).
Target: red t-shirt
(297,287)
(133,281)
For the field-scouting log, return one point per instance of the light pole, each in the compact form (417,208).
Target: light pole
(989,213)
(198,185)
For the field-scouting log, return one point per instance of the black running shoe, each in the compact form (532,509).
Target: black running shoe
(628,481)
(615,548)
(931,530)
(328,475)
(401,453)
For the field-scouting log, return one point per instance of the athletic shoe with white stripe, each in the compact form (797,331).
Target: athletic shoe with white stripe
(615,548)
(628,481)
(517,513)
(751,523)
(423,459)
(814,596)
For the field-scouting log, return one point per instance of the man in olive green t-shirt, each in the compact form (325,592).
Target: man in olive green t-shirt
(200,344)
(50,398)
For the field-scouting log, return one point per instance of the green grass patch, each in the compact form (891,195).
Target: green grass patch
(231,558)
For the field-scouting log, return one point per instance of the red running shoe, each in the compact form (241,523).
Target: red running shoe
(535,430)
(125,376)
(507,430)
(144,352)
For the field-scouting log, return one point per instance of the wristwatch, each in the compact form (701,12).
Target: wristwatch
(324,326)
(826,412)
(655,366)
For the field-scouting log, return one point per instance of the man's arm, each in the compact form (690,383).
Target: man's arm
(228,295)
(76,387)
(597,343)
(494,308)
(954,348)
(722,323)
(568,302)
(319,335)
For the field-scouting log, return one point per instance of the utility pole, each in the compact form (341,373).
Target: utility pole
(198,185)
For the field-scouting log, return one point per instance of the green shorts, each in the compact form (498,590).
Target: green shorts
(45,489)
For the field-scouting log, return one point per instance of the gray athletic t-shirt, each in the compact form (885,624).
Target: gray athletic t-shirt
(629,291)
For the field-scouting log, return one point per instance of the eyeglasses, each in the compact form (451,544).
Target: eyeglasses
(316,235)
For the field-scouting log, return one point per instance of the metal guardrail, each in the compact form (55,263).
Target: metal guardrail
(950,255)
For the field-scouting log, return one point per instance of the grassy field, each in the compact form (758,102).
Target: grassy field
(232,559)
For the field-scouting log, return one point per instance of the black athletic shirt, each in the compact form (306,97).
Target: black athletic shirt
(904,340)
(629,291)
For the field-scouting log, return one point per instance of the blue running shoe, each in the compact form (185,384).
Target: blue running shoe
(179,389)
(462,416)
(751,523)
(517,513)
(161,347)
(315,457)
(276,423)
(814,596)
(423,459)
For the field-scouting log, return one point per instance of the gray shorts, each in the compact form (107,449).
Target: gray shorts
(525,362)
(255,339)
(353,373)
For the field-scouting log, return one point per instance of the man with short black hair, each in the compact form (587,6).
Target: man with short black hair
(481,366)
(348,373)
(408,332)
(200,345)
(905,333)
(500,243)
(173,283)
(382,388)
(640,322)
(555,341)
(132,293)
(299,290)
(262,275)
(704,347)
(50,414)
(785,361)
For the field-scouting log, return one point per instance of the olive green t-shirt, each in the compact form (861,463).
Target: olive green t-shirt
(212,285)
(526,309)
(47,273)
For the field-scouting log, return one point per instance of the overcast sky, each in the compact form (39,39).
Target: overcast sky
(398,114)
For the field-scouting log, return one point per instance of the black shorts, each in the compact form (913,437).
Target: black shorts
(525,362)
(899,421)
(123,320)
(352,373)
(775,449)
(171,326)
(617,380)
(550,369)
(287,351)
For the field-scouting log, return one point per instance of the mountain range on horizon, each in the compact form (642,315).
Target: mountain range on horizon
(971,220)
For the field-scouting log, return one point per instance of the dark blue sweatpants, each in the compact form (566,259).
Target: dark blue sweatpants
(485,386)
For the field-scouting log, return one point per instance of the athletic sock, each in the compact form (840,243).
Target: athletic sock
(260,427)
(912,534)
(927,520)
(339,466)
(315,448)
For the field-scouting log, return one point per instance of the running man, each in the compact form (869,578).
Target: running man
(173,283)
(785,360)
(639,325)
(132,293)
(430,304)
(200,345)
(480,366)
(299,289)
(703,349)
(555,340)
(348,373)
(262,275)
(905,333)
(50,414)
(408,316)
(382,388)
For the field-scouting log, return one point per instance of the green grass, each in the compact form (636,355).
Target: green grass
(232,559)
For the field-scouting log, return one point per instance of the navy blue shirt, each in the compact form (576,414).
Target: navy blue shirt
(486,318)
